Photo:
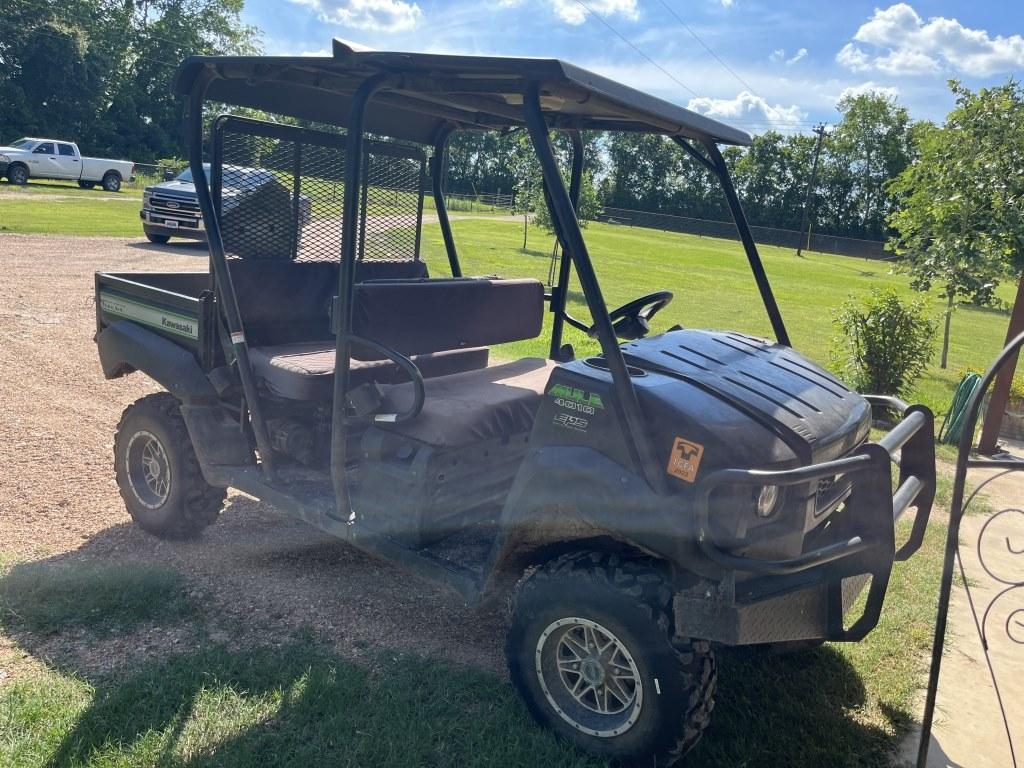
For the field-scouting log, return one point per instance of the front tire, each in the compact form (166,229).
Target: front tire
(157,471)
(157,239)
(590,650)
(112,181)
(17,174)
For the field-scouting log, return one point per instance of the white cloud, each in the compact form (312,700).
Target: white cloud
(747,107)
(853,58)
(321,52)
(801,54)
(375,15)
(777,55)
(889,91)
(901,42)
(572,12)
(726,3)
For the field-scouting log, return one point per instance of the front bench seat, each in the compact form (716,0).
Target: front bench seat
(468,408)
(305,370)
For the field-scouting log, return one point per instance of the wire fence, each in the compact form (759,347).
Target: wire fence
(784,238)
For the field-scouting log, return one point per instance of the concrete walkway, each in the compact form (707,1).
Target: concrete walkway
(969,731)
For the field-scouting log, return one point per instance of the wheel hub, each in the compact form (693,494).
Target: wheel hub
(589,677)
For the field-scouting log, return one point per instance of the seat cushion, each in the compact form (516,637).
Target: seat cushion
(305,370)
(468,408)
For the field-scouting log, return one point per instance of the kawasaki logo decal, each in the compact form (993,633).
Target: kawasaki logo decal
(172,322)
(576,399)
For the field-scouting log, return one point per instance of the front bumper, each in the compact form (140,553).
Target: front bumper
(807,596)
(156,224)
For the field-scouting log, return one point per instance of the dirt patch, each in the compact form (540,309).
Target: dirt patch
(258,574)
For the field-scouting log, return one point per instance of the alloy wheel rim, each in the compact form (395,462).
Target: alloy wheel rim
(148,469)
(589,677)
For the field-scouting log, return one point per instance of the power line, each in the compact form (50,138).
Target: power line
(636,48)
(706,47)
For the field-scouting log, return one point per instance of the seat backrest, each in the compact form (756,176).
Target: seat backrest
(286,301)
(419,316)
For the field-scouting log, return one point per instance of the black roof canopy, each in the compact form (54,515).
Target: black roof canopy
(424,92)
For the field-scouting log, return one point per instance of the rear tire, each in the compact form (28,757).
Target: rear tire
(87,184)
(158,239)
(17,174)
(590,650)
(157,471)
(112,181)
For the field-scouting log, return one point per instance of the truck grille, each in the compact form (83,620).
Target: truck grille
(831,491)
(173,206)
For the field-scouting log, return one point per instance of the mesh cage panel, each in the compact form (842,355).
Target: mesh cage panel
(391,208)
(279,192)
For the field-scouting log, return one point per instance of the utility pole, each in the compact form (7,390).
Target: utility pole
(805,222)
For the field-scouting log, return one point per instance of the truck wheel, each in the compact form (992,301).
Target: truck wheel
(158,239)
(87,184)
(112,181)
(158,473)
(590,651)
(17,174)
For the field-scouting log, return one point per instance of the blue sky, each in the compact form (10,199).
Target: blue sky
(779,64)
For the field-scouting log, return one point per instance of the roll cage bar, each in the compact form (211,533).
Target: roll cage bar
(531,82)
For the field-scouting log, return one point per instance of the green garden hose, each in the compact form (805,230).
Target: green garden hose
(953,424)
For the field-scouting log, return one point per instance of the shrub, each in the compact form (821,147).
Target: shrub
(884,342)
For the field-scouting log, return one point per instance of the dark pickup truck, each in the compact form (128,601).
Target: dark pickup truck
(171,208)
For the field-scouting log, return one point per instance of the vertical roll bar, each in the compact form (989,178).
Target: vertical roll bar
(222,275)
(561,291)
(753,257)
(346,281)
(564,217)
(438,171)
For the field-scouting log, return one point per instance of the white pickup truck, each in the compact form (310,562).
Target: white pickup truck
(50,159)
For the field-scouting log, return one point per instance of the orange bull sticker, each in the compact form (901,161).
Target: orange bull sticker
(684,461)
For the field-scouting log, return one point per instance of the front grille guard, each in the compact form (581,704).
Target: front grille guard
(866,539)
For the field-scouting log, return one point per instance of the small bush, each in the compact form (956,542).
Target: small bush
(884,342)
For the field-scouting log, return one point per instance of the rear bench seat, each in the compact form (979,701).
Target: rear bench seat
(285,312)
(443,325)
(433,320)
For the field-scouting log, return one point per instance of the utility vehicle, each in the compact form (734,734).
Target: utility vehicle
(667,493)
(49,159)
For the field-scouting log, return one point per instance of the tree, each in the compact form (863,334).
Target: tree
(960,221)
(99,71)
(869,146)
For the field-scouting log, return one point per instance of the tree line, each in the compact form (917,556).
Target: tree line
(873,142)
(99,71)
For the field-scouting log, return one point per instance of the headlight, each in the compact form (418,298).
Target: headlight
(4,159)
(767,500)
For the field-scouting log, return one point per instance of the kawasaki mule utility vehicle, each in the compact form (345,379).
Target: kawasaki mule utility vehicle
(672,492)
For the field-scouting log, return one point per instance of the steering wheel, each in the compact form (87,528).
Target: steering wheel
(630,321)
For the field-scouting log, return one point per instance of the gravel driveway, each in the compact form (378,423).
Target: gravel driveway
(258,572)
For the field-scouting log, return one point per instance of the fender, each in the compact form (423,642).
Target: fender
(125,346)
(573,493)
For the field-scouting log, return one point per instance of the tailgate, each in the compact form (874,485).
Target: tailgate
(175,305)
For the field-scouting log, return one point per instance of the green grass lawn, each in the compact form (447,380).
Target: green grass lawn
(58,187)
(207,705)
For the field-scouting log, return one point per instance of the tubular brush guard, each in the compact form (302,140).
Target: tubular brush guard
(806,596)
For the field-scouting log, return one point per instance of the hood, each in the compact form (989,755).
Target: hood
(806,408)
(174,188)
